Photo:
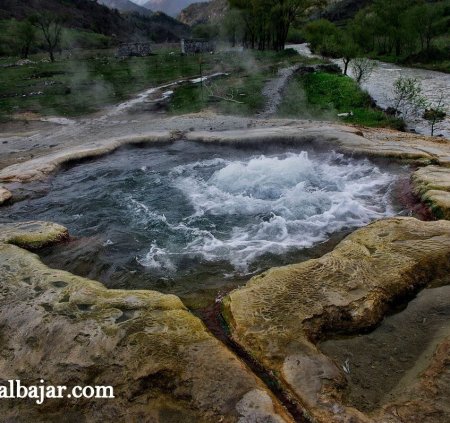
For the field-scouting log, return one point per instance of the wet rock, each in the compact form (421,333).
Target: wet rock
(427,398)
(40,167)
(386,362)
(432,184)
(5,195)
(280,315)
(32,235)
(163,364)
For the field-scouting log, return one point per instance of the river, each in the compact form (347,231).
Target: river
(380,87)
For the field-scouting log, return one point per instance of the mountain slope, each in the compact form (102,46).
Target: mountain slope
(204,12)
(125,6)
(344,9)
(83,14)
(91,16)
(170,7)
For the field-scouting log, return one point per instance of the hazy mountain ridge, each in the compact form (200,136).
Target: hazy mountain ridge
(170,7)
(204,12)
(126,6)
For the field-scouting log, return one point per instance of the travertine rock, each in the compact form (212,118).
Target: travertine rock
(162,362)
(432,183)
(278,315)
(425,399)
(5,195)
(32,235)
(41,167)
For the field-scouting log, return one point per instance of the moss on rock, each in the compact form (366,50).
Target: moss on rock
(432,184)
(161,361)
(279,315)
(32,235)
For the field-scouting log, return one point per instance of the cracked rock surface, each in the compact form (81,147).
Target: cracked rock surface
(432,183)
(279,316)
(162,362)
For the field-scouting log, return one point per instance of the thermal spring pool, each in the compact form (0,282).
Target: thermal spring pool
(196,220)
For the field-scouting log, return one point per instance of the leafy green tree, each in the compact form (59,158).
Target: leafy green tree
(391,23)
(329,40)
(232,28)
(346,48)
(205,31)
(364,29)
(319,32)
(267,22)
(26,37)
(407,96)
(425,20)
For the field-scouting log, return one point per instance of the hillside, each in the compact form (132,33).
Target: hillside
(170,7)
(214,10)
(344,9)
(204,12)
(89,15)
(126,6)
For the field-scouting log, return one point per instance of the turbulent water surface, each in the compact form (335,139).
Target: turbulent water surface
(187,216)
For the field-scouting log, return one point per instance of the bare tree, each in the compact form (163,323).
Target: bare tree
(362,68)
(51,27)
(435,112)
(222,93)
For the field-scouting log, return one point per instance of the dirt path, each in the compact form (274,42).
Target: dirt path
(273,91)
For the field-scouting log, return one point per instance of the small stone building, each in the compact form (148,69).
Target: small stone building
(134,49)
(197,46)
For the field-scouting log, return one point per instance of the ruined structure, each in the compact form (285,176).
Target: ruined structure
(197,46)
(134,49)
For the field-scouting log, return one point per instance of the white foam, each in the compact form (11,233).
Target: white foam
(275,204)
(157,259)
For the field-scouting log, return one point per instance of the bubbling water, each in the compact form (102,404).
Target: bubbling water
(183,217)
(244,209)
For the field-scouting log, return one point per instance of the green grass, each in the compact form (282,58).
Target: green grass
(324,95)
(88,81)
(240,95)
(81,85)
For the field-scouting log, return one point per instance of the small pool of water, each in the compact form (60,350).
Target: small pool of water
(380,365)
(189,218)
